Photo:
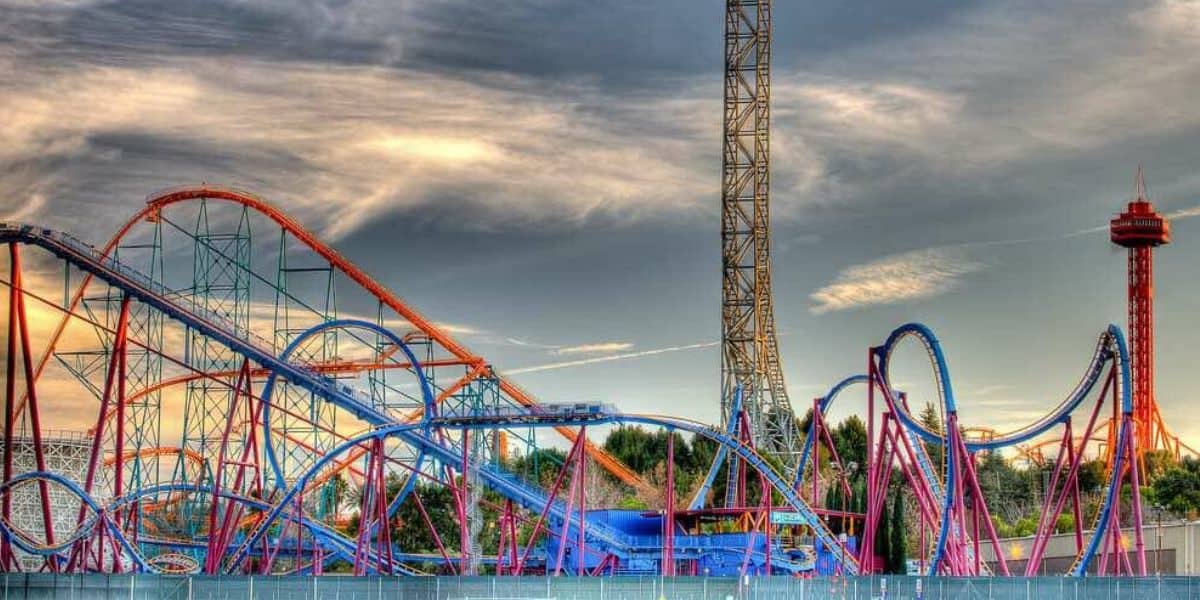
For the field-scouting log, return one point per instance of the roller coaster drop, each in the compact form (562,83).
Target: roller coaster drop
(273,425)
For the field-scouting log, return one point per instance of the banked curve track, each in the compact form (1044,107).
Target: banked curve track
(1110,350)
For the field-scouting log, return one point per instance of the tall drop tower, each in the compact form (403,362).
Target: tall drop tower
(1141,229)
(750,353)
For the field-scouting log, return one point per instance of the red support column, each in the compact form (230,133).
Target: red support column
(119,438)
(219,535)
(7,560)
(35,423)
(118,348)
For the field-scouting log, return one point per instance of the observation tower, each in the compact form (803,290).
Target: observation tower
(1141,229)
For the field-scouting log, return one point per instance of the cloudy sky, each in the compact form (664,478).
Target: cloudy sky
(545,174)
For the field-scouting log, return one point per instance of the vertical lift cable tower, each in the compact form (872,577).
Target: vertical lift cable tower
(750,352)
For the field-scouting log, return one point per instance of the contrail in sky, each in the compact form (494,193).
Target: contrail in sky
(1176,215)
(599,359)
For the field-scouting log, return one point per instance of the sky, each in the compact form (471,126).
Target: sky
(545,175)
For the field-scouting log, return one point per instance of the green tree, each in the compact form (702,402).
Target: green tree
(858,496)
(805,422)
(1065,523)
(932,421)
(631,502)
(1025,526)
(1092,476)
(850,441)
(834,500)
(898,556)
(1008,491)
(1178,489)
(1157,463)
(930,418)
(409,529)
(643,450)
(883,540)
(1003,529)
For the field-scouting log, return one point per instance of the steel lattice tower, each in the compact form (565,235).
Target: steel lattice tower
(1141,229)
(750,353)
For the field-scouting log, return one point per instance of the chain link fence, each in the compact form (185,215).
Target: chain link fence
(137,587)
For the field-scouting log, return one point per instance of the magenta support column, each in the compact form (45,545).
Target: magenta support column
(562,535)
(1075,459)
(1076,505)
(464,535)
(981,507)
(977,506)
(437,538)
(582,505)
(1135,485)
(865,552)
(957,507)
(816,458)
(668,559)
(748,439)
(576,448)
(922,547)
(766,492)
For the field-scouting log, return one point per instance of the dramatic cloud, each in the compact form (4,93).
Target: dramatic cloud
(979,96)
(374,128)
(900,278)
(504,151)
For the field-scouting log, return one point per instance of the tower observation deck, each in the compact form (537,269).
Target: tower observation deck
(1141,229)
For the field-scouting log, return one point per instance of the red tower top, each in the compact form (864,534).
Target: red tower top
(1141,230)
(1140,226)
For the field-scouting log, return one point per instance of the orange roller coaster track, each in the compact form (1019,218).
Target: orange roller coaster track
(462,355)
